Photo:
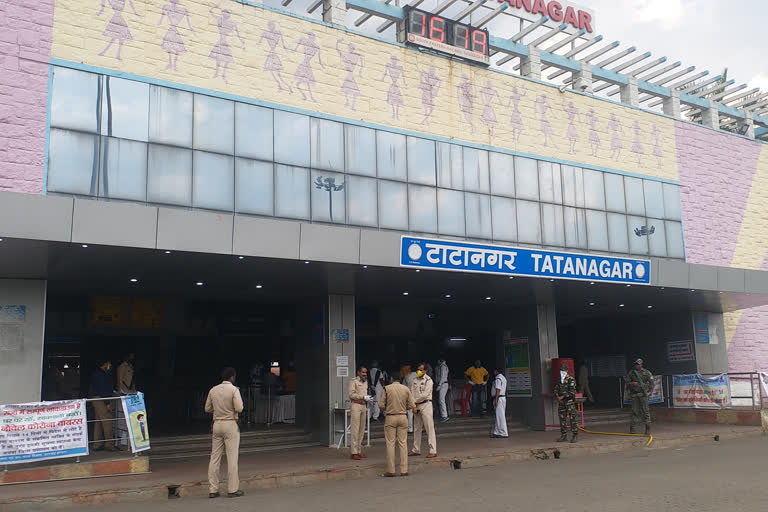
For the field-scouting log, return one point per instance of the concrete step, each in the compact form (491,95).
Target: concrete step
(189,454)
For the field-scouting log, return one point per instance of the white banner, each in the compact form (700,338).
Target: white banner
(695,391)
(42,430)
(764,384)
(657,393)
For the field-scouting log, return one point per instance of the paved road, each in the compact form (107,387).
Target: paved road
(725,477)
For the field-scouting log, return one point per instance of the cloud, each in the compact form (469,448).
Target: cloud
(760,80)
(667,13)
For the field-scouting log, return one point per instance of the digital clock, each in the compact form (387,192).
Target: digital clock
(447,36)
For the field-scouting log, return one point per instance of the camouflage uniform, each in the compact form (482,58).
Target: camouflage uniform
(567,390)
(641,414)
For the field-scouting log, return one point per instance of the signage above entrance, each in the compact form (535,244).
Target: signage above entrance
(568,13)
(513,261)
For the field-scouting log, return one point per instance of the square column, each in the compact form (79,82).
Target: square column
(672,104)
(582,81)
(335,12)
(711,117)
(530,66)
(629,93)
(542,411)
(341,344)
(748,125)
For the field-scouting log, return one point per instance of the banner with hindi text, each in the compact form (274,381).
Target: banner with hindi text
(695,391)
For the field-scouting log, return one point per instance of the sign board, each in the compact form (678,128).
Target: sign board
(678,351)
(657,393)
(135,412)
(342,360)
(558,11)
(342,371)
(493,259)
(518,367)
(701,327)
(12,320)
(433,31)
(340,335)
(42,431)
(695,391)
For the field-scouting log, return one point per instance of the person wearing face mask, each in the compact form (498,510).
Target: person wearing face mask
(421,389)
(101,387)
(565,392)
(441,379)
(478,377)
(640,384)
(358,395)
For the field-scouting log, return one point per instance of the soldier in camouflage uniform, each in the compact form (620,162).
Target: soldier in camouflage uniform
(640,384)
(565,392)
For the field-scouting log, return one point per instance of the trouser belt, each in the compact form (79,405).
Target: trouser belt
(358,402)
(423,402)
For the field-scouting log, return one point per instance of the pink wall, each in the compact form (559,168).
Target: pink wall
(26,28)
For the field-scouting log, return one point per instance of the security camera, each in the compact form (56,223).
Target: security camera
(583,87)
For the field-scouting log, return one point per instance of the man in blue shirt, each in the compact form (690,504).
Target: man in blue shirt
(102,387)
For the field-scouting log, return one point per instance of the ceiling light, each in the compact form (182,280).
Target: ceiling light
(511,277)
(199,283)
(306,263)
(258,286)
(405,293)
(417,270)
(84,246)
(134,280)
(1,239)
(693,290)
(629,286)
(591,303)
(650,307)
(167,252)
(447,295)
(551,280)
(241,257)
(457,339)
(365,266)
(489,298)
(621,305)
(591,282)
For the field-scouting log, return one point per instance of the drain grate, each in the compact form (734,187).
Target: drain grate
(173,492)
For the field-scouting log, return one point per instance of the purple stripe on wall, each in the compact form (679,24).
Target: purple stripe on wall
(716,172)
(749,349)
(26,32)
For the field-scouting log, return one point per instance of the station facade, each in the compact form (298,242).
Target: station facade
(225,184)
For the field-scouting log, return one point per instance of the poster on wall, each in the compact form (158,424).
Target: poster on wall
(764,384)
(518,367)
(657,393)
(12,320)
(701,327)
(678,351)
(42,431)
(697,392)
(135,412)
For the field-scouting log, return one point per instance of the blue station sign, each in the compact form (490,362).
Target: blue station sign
(514,261)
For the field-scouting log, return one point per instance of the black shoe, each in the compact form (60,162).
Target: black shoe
(563,438)
(213,495)
(236,494)
(573,439)
(647,430)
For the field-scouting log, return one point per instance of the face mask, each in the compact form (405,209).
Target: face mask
(420,373)
(563,374)
(477,365)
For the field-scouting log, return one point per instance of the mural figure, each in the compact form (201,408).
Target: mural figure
(465,95)
(350,59)
(173,43)
(273,64)
(222,53)
(517,119)
(574,114)
(637,144)
(657,145)
(430,87)
(487,94)
(616,145)
(304,74)
(594,137)
(394,95)
(543,107)
(117,28)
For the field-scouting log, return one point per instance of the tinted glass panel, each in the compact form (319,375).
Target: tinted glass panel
(672,208)
(638,238)
(504,215)
(526,178)
(552,225)
(213,181)
(478,215)
(502,174)
(169,178)
(291,138)
(450,212)
(573,186)
(614,193)
(74,99)
(657,242)
(633,189)
(528,222)
(360,146)
(254,187)
(654,199)
(393,205)
(327,145)
(124,169)
(675,246)
(450,166)
(72,162)
(422,209)
(476,178)
(125,109)
(391,155)
(362,202)
(328,197)
(594,191)
(291,192)
(214,124)
(597,231)
(254,131)
(550,182)
(575,227)
(421,161)
(618,239)
(170,116)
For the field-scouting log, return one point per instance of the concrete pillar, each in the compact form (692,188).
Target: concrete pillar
(531,65)
(629,93)
(22,315)
(341,345)
(582,81)
(543,410)
(672,104)
(335,12)
(748,125)
(710,116)
(711,357)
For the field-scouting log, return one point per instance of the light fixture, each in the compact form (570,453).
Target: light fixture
(591,282)
(365,266)
(84,246)
(134,280)
(629,286)
(1,239)
(693,290)
(489,298)
(447,295)
(621,305)
(241,257)
(199,283)
(259,287)
(662,287)
(551,280)
(306,263)
(405,293)
(511,277)
(167,252)
(591,303)
(417,270)
(457,339)
(650,307)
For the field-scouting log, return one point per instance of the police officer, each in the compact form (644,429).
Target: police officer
(358,395)
(421,389)
(565,392)
(640,384)
(225,403)
(395,402)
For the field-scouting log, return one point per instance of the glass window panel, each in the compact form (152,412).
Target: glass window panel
(170,116)
(575,221)
(254,187)
(550,182)
(638,241)
(573,186)
(476,176)
(327,143)
(657,241)
(291,138)
(421,161)
(169,176)
(528,221)
(422,209)
(594,191)
(291,192)
(391,156)
(654,198)
(213,181)
(450,166)
(74,99)
(362,203)
(123,169)
(553,230)
(502,174)
(328,197)
(614,193)
(633,189)
(393,205)
(450,212)
(675,244)
(125,109)
(254,132)
(618,241)
(72,162)
(597,231)
(504,219)
(214,124)
(672,207)
(360,146)
(526,179)
(478,215)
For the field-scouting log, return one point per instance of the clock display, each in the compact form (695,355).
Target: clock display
(447,36)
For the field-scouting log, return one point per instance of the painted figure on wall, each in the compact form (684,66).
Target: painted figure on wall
(544,108)
(117,28)
(173,43)
(594,137)
(572,133)
(616,145)
(517,119)
(488,117)
(465,95)
(304,74)
(637,143)
(430,87)
(657,144)
(273,64)
(395,71)
(222,53)
(350,59)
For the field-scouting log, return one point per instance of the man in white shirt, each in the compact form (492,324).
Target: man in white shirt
(408,382)
(499,394)
(441,383)
(377,379)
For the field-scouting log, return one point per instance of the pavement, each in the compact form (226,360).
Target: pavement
(307,466)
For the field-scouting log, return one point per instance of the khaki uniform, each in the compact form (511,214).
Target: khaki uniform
(421,388)
(358,389)
(225,402)
(396,400)
(125,382)
(584,384)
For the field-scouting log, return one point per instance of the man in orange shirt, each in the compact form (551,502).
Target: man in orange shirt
(477,375)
